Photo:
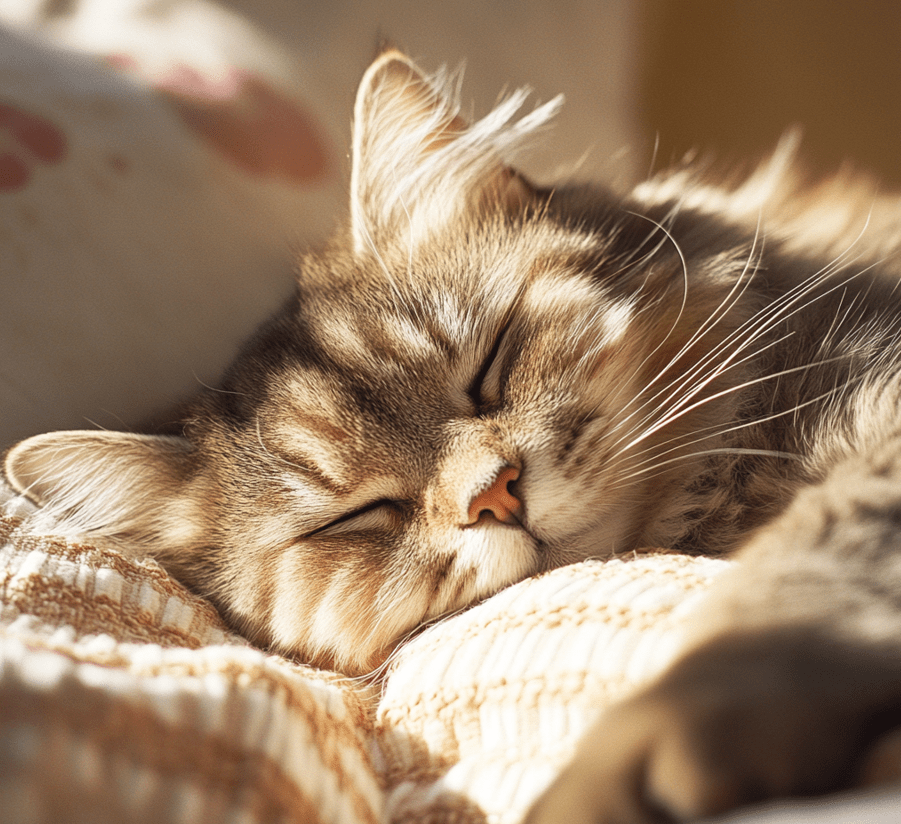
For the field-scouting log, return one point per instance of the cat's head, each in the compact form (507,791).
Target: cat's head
(468,388)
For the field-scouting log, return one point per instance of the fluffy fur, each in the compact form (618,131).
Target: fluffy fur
(479,379)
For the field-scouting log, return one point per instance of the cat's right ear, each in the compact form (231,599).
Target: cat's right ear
(115,483)
(417,162)
(400,118)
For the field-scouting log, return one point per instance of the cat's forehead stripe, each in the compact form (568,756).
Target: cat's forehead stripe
(343,337)
(555,292)
(407,337)
(314,458)
(376,347)
(309,393)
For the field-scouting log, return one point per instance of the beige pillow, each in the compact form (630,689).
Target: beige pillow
(124,698)
(147,215)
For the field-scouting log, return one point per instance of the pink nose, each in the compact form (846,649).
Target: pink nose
(497,499)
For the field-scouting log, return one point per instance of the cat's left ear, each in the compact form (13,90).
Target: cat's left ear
(115,483)
(417,162)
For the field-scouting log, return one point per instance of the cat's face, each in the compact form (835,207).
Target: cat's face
(469,388)
(355,458)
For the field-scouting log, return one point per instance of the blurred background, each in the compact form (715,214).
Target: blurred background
(732,76)
(162,161)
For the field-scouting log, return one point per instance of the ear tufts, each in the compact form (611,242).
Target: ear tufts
(417,162)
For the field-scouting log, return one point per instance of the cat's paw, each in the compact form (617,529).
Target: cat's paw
(740,720)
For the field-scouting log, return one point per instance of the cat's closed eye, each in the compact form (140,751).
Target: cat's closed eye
(485,389)
(382,513)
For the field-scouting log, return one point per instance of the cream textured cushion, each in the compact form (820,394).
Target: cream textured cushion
(124,698)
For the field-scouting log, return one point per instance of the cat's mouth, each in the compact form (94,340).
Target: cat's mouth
(515,523)
(485,518)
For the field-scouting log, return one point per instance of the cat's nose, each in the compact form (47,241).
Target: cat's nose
(497,499)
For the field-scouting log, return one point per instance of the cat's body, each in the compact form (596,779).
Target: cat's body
(479,380)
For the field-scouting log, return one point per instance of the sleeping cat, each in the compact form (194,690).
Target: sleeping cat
(479,379)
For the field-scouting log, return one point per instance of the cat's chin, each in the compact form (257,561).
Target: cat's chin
(488,556)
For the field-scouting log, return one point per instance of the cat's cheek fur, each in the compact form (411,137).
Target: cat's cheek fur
(312,600)
(342,627)
(329,609)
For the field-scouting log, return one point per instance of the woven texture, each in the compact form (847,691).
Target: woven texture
(123,697)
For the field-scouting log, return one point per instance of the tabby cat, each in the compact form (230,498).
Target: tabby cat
(479,379)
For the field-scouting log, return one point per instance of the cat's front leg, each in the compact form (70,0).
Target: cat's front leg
(792,682)
(741,720)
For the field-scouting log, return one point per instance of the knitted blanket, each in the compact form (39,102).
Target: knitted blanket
(123,696)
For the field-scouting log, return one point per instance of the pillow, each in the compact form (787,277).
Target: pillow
(123,696)
(148,212)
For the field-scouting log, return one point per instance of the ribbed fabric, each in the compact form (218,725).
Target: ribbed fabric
(124,698)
